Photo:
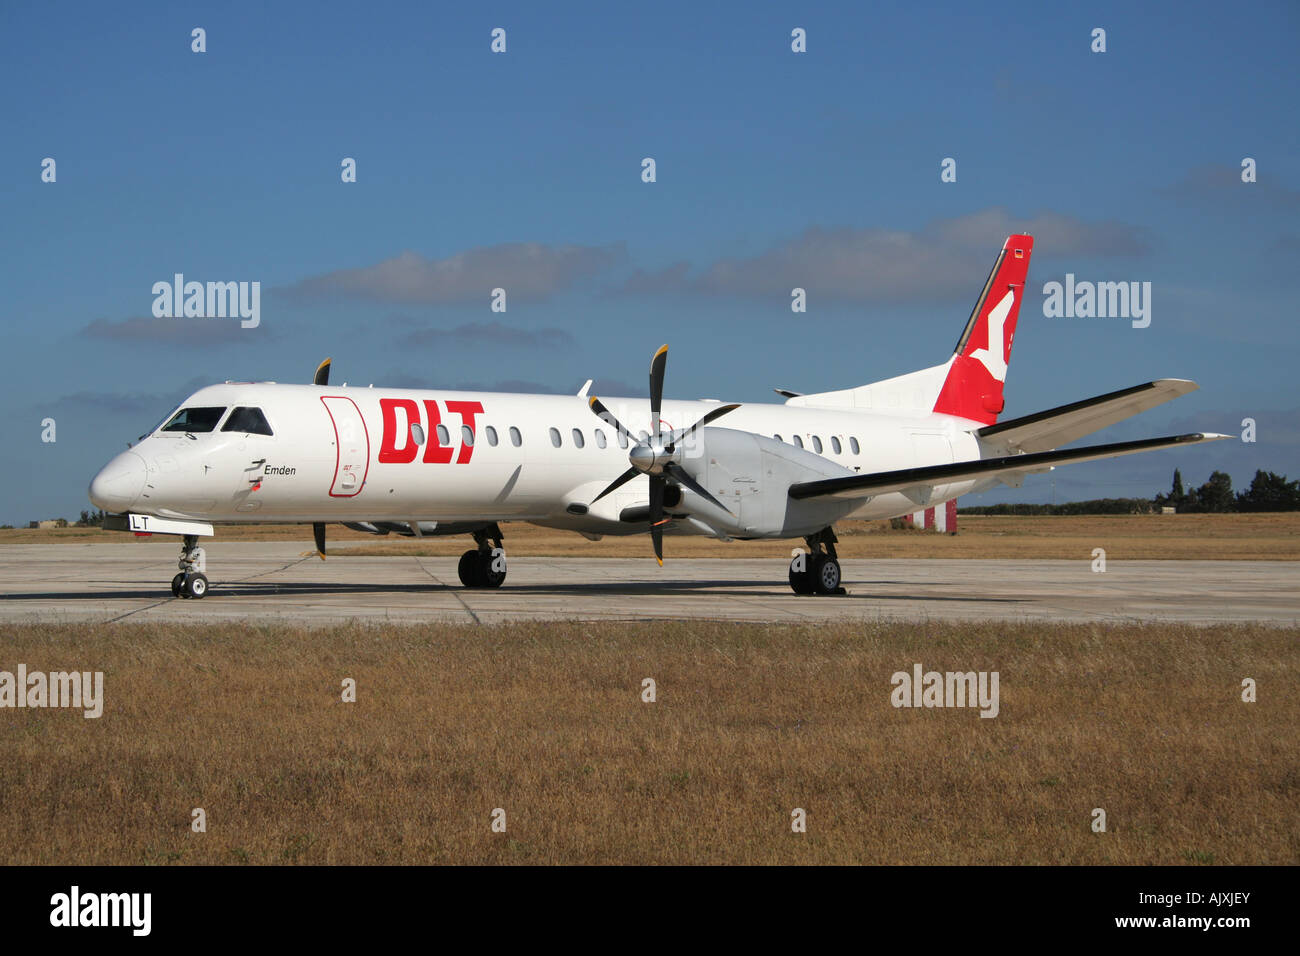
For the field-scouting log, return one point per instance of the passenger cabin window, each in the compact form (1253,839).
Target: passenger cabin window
(817,444)
(798,441)
(835,445)
(466,436)
(853,445)
(417,434)
(201,419)
(578,440)
(516,439)
(444,436)
(600,438)
(251,421)
(491,436)
(555,437)
(622,439)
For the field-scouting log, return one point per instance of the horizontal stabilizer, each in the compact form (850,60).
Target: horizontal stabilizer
(864,486)
(1055,427)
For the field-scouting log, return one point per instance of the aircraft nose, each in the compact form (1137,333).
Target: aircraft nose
(119,483)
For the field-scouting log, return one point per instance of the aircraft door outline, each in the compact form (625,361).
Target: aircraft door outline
(350,432)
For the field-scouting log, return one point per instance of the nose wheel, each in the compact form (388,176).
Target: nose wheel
(190,585)
(191,582)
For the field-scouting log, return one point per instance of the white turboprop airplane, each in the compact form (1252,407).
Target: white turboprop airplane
(416,462)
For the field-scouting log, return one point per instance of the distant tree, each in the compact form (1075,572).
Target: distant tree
(1097,506)
(1177,498)
(1270,492)
(1216,494)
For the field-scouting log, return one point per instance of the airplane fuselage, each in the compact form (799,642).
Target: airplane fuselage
(338,453)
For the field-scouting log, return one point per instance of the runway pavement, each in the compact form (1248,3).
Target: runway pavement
(128,583)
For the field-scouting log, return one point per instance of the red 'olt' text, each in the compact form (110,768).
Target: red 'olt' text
(435,451)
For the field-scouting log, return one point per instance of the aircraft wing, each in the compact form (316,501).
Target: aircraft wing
(865,486)
(1060,426)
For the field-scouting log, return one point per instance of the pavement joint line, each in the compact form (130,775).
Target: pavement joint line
(454,593)
(122,617)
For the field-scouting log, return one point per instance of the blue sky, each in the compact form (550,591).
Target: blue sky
(523,170)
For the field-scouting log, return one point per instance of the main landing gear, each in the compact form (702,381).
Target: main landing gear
(191,582)
(484,566)
(817,572)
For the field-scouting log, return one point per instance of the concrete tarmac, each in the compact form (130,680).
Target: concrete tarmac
(279,581)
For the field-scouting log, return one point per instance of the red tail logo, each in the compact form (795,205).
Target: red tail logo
(973,388)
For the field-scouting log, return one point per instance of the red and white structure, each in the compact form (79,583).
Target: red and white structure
(939,519)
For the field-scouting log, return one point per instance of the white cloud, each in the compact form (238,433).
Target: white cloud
(528,271)
(949,258)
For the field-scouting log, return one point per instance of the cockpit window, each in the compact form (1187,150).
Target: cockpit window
(251,421)
(202,419)
(166,419)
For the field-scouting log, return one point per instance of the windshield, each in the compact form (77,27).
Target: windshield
(165,419)
(248,420)
(200,419)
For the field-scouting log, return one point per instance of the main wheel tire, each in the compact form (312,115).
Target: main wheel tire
(197,585)
(469,569)
(801,581)
(178,584)
(826,574)
(489,578)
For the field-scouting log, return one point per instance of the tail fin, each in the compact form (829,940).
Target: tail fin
(973,388)
(969,384)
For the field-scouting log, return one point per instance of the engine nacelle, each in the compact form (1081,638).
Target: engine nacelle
(751,474)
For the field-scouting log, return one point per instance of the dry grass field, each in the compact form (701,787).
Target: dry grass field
(1244,537)
(546,722)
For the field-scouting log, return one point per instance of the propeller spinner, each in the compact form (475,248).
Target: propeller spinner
(659,456)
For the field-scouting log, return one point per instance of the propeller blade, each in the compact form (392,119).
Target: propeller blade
(657,366)
(322,373)
(605,415)
(318,530)
(617,483)
(712,416)
(682,477)
(657,519)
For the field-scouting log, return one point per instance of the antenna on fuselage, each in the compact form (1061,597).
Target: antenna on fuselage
(322,373)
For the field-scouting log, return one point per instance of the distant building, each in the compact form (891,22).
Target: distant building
(940,519)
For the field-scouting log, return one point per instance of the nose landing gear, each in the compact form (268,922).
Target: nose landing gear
(191,582)
(817,572)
